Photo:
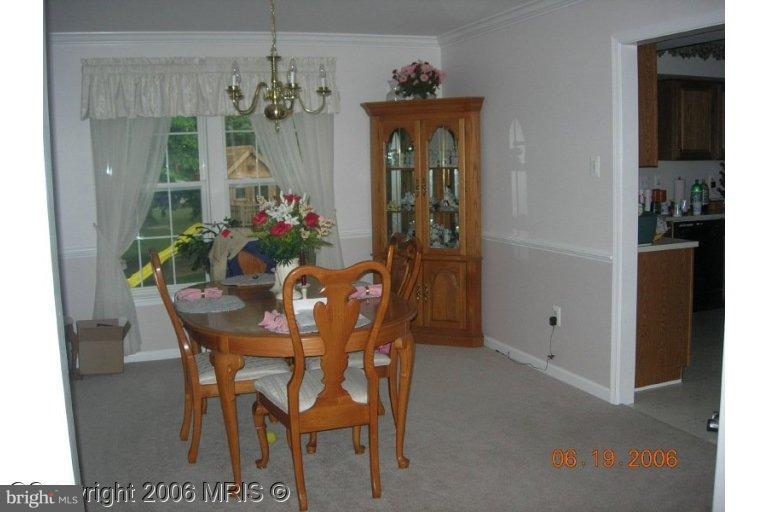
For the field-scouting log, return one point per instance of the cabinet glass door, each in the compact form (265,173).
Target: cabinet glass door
(399,183)
(443,188)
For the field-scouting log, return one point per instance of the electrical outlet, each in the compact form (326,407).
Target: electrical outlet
(557,312)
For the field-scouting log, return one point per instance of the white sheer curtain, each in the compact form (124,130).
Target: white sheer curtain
(300,157)
(127,160)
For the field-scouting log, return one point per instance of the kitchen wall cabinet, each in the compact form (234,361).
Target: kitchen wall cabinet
(425,182)
(647,95)
(664,309)
(690,119)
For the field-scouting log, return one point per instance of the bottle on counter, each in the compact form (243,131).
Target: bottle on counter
(696,198)
(704,196)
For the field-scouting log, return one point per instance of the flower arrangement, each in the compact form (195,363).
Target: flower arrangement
(418,78)
(287,227)
(196,247)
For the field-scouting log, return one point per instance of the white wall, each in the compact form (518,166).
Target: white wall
(363,68)
(549,236)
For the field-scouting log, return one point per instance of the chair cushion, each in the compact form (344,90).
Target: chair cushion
(254,368)
(275,388)
(355,360)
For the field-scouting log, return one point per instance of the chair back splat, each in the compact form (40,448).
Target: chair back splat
(335,319)
(404,263)
(185,347)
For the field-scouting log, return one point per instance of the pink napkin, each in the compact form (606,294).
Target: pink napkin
(213,293)
(190,294)
(275,322)
(366,291)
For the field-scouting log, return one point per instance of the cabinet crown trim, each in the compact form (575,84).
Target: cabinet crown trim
(466,104)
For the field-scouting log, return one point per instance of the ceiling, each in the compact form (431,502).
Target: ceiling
(396,17)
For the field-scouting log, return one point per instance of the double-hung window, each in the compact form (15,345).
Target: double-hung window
(211,165)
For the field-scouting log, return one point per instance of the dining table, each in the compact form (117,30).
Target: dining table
(230,335)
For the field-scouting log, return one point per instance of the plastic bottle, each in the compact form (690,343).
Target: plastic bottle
(696,198)
(704,196)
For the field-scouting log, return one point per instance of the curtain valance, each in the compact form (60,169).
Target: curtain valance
(188,86)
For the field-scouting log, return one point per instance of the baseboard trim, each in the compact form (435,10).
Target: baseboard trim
(659,385)
(577,381)
(152,355)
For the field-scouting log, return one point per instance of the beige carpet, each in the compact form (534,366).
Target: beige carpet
(481,431)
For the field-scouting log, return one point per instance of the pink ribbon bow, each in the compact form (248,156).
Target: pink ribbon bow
(275,322)
(366,291)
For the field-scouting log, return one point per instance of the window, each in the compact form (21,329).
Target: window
(186,194)
(247,175)
(176,206)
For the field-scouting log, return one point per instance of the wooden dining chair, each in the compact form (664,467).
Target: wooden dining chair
(334,396)
(404,264)
(199,376)
(250,263)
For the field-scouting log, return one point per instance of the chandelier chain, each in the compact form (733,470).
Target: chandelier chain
(274,26)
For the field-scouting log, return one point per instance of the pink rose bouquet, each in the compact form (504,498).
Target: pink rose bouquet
(418,78)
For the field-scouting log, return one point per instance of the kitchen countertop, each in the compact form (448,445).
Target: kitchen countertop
(692,218)
(668,244)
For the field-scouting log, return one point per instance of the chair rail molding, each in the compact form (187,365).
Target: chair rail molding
(517,14)
(555,247)
(242,38)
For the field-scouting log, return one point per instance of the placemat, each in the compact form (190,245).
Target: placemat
(205,305)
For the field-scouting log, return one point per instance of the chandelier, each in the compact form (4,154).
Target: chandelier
(280,97)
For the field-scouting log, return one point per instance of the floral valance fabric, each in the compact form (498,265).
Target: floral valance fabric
(184,86)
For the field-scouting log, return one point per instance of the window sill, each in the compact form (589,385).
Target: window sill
(149,296)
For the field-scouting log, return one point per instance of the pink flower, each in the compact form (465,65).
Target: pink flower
(280,228)
(402,79)
(259,218)
(413,75)
(291,198)
(311,220)
(426,68)
(225,233)
(424,77)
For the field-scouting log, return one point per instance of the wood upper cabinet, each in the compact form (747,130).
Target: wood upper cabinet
(425,182)
(691,126)
(647,94)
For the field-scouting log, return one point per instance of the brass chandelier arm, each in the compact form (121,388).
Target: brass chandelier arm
(235,94)
(309,110)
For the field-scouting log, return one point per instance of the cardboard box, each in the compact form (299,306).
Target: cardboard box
(100,345)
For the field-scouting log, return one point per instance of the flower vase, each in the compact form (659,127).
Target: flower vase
(281,273)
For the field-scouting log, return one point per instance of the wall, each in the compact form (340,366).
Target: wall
(548,224)
(668,171)
(363,66)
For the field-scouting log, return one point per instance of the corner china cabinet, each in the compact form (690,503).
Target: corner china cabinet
(425,165)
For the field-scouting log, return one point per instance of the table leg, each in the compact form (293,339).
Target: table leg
(226,366)
(404,386)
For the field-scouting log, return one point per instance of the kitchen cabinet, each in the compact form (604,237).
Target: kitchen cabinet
(664,309)
(690,119)
(425,182)
(647,95)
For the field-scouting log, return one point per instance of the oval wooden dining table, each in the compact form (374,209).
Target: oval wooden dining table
(233,334)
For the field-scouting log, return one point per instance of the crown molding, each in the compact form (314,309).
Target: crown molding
(518,14)
(241,38)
